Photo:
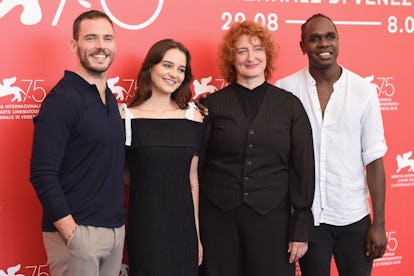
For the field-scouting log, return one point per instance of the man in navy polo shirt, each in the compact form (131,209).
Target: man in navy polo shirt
(77,162)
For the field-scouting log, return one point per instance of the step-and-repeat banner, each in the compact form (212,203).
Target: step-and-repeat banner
(376,41)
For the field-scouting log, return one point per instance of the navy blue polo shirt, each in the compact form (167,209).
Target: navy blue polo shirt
(77,162)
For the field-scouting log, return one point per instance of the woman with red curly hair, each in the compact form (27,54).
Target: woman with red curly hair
(257,179)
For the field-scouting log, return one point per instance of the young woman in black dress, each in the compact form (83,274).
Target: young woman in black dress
(163,137)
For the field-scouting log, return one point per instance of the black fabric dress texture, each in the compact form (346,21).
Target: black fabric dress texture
(161,233)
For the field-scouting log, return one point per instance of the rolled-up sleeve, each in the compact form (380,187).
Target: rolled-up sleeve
(372,136)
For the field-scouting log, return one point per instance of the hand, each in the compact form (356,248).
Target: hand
(376,241)
(70,237)
(200,253)
(203,108)
(66,227)
(297,250)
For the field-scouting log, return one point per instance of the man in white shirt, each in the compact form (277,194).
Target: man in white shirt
(348,136)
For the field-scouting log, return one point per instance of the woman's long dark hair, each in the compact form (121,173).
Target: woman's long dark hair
(154,56)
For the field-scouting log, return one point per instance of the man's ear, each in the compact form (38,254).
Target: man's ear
(301,47)
(73,46)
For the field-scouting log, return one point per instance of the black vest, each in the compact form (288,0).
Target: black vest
(249,162)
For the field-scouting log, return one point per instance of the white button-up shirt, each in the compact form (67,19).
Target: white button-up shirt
(349,136)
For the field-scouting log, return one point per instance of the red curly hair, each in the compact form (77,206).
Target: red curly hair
(227,51)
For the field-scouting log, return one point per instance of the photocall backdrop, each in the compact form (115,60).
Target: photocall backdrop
(376,41)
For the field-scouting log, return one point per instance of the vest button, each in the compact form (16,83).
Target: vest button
(250,147)
(249,162)
(251,131)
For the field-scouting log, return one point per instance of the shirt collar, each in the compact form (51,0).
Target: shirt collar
(80,83)
(259,89)
(311,81)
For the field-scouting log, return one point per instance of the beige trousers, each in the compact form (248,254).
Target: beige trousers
(93,251)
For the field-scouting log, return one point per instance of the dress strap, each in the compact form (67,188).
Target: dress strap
(128,130)
(189,113)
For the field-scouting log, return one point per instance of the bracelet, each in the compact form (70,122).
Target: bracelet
(71,234)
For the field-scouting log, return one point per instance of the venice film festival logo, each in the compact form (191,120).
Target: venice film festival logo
(11,271)
(203,87)
(404,174)
(7,88)
(386,90)
(404,161)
